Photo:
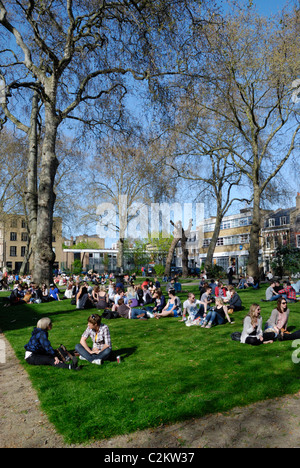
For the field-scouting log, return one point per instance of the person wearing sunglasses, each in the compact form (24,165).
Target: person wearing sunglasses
(252,330)
(279,320)
(279,317)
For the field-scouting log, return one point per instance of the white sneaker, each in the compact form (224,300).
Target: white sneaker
(82,358)
(97,361)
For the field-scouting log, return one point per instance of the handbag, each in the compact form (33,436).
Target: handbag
(63,354)
(236,336)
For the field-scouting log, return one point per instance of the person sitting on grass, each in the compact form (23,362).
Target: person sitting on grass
(194,308)
(100,335)
(278,321)
(53,293)
(206,297)
(235,302)
(288,292)
(271,294)
(252,330)
(102,299)
(159,303)
(83,300)
(16,297)
(217,316)
(173,307)
(39,351)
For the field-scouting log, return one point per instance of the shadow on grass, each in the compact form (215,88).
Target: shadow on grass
(24,315)
(123,353)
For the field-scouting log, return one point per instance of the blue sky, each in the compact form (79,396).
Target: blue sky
(267,7)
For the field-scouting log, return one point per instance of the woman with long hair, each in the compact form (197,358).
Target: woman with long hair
(279,320)
(252,330)
(172,308)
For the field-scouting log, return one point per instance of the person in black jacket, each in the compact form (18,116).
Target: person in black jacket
(36,294)
(38,351)
(235,302)
(17,296)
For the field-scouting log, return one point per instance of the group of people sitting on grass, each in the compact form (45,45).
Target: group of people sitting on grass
(275,327)
(215,306)
(32,293)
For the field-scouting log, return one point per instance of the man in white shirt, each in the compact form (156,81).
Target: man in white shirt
(190,306)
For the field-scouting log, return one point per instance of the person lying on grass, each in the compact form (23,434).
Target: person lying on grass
(39,351)
(99,333)
(173,307)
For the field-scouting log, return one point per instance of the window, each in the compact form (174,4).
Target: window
(206,242)
(225,225)
(24,237)
(283,220)
(244,238)
(23,251)
(13,251)
(14,223)
(220,241)
(268,242)
(209,227)
(24,225)
(298,241)
(271,222)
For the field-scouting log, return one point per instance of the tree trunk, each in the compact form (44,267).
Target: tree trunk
(184,256)
(120,255)
(252,268)
(213,243)
(43,254)
(170,256)
(31,191)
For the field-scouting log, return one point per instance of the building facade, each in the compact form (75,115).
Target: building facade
(280,228)
(14,242)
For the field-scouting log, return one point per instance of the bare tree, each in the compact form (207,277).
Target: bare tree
(77,56)
(252,63)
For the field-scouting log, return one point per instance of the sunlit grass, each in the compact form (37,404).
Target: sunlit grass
(168,372)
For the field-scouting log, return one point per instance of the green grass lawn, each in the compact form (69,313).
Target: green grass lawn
(168,373)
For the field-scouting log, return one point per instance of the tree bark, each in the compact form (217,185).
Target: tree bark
(253,268)
(213,243)
(170,256)
(43,255)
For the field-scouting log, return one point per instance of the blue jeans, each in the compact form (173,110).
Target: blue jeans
(275,298)
(213,316)
(103,355)
(136,312)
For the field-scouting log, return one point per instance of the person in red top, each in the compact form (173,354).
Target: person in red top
(288,292)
